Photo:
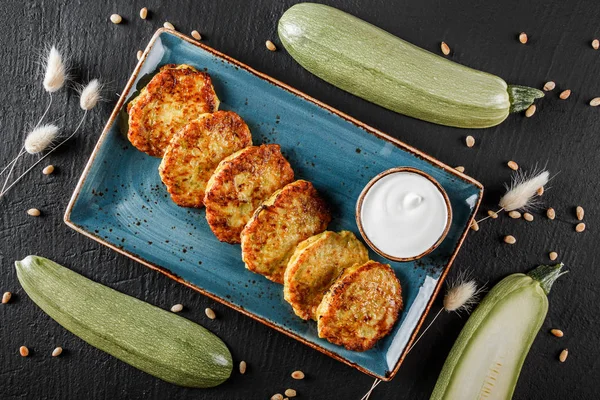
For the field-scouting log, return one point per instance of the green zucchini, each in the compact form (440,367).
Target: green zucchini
(487,357)
(379,67)
(153,340)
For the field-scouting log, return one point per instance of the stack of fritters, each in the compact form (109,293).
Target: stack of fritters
(251,198)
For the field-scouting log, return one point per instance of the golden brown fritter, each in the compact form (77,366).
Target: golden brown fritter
(196,150)
(288,217)
(315,265)
(239,184)
(361,307)
(175,96)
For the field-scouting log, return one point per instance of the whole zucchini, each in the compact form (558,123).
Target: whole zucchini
(487,357)
(153,340)
(386,70)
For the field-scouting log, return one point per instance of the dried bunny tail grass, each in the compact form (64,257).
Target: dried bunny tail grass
(461,296)
(40,138)
(522,192)
(55,74)
(90,95)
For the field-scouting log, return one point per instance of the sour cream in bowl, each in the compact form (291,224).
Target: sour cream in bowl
(403,214)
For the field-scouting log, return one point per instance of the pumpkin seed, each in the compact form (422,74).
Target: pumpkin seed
(168,25)
(177,308)
(580,227)
(6,297)
(530,111)
(523,37)
(540,191)
(528,217)
(48,170)
(460,168)
(57,351)
(550,85)
(550,213)
(596,44)
(196,35)
(563,355)
(475,226)
(557,332)
(34,212)
(144,13)
(277,396)
(470,141)
(512,165)
(579,212)
(492,214)
(290,392)
(514,214)
(24,351)
(298,375)
(565,94)
(445,48)
(139,54)
(210,313)
(116,19)
(243,367)
(270,45)
(553,255)
(595,102)
(510,239)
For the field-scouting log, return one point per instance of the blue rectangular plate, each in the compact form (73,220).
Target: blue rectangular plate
(121,202)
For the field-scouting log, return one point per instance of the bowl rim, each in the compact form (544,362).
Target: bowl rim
(368,186)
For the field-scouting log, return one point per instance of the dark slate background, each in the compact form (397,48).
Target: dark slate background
(564,135)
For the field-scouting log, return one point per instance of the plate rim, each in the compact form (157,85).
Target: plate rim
(367,128)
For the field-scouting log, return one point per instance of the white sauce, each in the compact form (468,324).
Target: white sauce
(403,214)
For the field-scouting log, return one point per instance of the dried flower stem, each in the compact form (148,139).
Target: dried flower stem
(489,216)
(3,192)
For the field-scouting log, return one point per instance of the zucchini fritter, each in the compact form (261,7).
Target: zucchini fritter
(361,306)
(288,217)
(196,150)
(175,96)
(315,265)
(239,184)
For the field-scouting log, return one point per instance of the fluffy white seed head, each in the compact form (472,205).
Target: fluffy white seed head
(460,296)
(90,95)
(523,189)
(40,138)
(56,71)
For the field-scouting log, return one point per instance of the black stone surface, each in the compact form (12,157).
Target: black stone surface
(564,135)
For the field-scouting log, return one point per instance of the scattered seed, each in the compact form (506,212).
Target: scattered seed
(565,94)
(445,48)
(24,351)
(470,141)
(579,212)
(139,54)
(48,170)
(492,214)
(553,255)
(168,25)
(596,44)
(557,332)
(475,226)
(6,297)
(595,102)
(57,351)
(196,35)
(290,392)
(512,165)
(34,212)
(550,213)
(270,45)
(298,375)
(116,19)
(530,111)
(210,313)
(514,214)
(460,168)
(510,239)
(550,85)
(540,191)
(580,227)
(243,367)
(523,37)
(277,396)
(144,13)
(528,217)
(177,308)
(563,355)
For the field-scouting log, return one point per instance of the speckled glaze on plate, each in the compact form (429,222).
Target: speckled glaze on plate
(121,202)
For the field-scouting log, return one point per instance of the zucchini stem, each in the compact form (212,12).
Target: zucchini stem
(546,275)
(521,97)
